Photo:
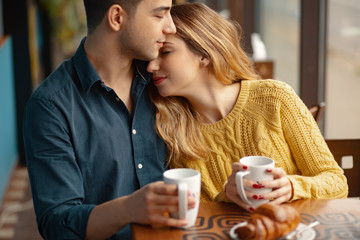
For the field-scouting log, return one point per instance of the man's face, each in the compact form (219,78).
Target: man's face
(145,31)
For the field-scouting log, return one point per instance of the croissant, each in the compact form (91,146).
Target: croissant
(270,221)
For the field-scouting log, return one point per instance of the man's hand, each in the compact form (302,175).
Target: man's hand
(153,203)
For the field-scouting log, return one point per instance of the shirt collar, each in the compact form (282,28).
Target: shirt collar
(85,70)
(140,71)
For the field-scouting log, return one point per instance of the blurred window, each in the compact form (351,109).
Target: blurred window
(278,23)
(342,112)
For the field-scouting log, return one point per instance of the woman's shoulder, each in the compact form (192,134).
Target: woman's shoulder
(268,87)
(267,83)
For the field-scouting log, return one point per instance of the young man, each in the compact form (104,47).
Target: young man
(91,147)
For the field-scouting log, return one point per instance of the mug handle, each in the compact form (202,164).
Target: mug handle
(240,185)
(182,194)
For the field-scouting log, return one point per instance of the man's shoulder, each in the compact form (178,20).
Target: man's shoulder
(57,81)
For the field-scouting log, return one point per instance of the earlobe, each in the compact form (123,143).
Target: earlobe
(115,17)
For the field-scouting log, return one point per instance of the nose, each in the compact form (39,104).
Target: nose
(153,66)
(169,25)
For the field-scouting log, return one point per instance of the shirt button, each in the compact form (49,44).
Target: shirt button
(117,99)
(134,131)
(140,166)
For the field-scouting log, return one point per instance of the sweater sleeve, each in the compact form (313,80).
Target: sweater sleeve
(320,176)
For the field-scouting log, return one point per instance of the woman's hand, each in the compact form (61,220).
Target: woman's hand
(231,189)
(282,188)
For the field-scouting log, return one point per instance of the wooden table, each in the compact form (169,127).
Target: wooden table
(339,219)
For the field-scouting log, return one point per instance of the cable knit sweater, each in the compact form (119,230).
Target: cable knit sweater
(269,119)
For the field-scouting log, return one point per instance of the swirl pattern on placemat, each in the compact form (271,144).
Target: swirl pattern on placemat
(337,225)
(338,218)
(342,233)
(215,227)
(222,221)
(203,235)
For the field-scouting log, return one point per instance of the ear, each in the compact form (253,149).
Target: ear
(204,61)
(115,17)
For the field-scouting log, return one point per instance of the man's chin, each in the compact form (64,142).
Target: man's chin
(149,57)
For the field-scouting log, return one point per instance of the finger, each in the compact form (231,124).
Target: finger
(161,209)
(169,222)
(236,166)
(284,192)
(281,199)
(278,183)
(232,195)
(277,172)
(164,189)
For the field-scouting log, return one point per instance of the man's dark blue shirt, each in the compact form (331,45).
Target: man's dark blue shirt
(83,147)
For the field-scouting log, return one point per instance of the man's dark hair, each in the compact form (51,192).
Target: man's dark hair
(96,10)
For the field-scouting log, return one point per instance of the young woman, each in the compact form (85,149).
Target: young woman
(212,110)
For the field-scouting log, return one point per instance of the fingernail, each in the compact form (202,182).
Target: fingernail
(269,170)
(252,209)
(261,197)
(245,167)
(258,185)
(255,197)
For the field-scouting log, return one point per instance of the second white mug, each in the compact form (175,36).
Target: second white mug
(186,180)
(257,173)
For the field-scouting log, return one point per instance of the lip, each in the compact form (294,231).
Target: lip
(158,80)
(160,43)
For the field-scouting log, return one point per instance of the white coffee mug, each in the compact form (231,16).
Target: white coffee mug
(257,173)
(186,180)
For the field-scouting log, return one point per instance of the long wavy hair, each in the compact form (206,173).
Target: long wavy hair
(206,33)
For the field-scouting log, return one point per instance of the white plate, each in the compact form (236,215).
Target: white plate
(309,234)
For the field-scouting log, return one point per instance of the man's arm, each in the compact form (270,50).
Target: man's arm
(146,206)
(55,177)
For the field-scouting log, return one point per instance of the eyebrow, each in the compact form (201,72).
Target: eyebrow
(162,8)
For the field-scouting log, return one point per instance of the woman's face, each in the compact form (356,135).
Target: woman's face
(176,70)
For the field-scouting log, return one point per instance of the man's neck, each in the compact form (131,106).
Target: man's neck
(114,69)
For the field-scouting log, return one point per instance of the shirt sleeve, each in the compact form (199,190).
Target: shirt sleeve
(55,176)
(320,176)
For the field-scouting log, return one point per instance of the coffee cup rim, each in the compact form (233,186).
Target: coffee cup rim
(176,172)
(270,161)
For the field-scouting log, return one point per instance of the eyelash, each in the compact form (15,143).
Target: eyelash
(165,52)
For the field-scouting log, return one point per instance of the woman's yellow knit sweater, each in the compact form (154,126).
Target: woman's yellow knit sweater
(269,119)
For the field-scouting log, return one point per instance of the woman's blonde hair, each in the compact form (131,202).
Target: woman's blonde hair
(208,34)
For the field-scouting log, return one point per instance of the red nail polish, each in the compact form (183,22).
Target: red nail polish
(269,170)
(245,167)
(261,197)
(255,185)
(255,197)
(252,209)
